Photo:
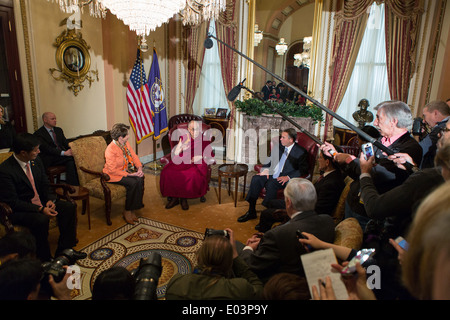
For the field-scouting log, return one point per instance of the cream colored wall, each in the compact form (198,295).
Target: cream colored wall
(80,114)
(113,53)
(297,26)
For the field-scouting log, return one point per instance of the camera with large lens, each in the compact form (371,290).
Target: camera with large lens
(147,277)
(55,267)
(419,128)
(212,232)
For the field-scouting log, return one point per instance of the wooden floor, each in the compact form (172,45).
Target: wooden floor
(200,216)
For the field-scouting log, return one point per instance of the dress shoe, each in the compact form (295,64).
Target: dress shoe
(184,204)
(172,203)
(78,255)
(202,199)
(247,216)
(128,217)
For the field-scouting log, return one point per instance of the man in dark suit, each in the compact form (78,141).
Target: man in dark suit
(24,186)
(279,249)
(328,187)
(291,162)
(55,150)
(436,114)
(267,89)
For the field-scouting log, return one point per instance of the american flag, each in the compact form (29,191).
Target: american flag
(138,97)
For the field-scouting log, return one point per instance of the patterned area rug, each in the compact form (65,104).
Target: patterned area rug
(128,244)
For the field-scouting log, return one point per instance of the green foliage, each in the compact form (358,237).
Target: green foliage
(255,107)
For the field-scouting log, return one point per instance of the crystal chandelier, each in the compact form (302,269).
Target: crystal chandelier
(258,36)
(197,11)
(281,47)
(143,16)
(96,9)
(303,60)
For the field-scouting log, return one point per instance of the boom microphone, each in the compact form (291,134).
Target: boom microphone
(208,43)
(232,95)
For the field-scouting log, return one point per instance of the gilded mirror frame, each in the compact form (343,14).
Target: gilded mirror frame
(73,60)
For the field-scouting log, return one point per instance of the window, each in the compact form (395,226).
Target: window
(369,78)
(211,92)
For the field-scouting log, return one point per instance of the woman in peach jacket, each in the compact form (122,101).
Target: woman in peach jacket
(124,167)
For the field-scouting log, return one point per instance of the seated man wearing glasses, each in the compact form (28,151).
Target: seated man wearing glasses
(186,175)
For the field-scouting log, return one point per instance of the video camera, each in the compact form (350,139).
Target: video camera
(147,277)
(419,128)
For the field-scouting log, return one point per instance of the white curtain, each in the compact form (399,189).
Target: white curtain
(211,92)
(369,77)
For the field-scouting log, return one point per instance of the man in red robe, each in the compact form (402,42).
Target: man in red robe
(186,175)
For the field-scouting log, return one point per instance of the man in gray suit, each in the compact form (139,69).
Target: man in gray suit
(279,249)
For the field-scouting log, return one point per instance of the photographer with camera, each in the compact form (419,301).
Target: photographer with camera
(220,273)
(22,279)
(436,115)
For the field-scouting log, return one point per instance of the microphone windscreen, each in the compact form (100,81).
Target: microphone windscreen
(208,43)
(232,95)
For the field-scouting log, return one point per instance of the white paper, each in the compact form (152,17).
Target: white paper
(317,265)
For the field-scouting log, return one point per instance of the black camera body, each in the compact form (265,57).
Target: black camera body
(419,128)
(55,267)
(212,232)
(147,277)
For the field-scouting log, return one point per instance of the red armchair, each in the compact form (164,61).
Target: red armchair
(311,147)
(182,118)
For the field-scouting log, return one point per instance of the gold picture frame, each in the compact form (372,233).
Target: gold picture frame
(210,112)
(73,61)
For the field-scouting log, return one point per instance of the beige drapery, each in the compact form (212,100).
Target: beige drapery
(349,30)
(402,24)
(193,54)
(226,30)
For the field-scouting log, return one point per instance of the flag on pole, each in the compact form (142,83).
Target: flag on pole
(157,98)
(138,97)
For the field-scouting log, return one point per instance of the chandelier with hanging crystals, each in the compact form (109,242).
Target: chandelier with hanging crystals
(197,11)
(143,16)
(96,9)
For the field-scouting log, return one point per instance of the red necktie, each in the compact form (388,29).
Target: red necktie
(35,199)
(54,138)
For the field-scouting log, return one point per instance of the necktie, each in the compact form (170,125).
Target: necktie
(54,138)
(35,199)
(280,165)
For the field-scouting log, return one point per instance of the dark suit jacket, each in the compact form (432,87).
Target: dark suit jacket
(7,134)
(328,189)
(48,148)
(266,90)
(16,189)
(386,175)
(399,204)
(280,250)
(296,164)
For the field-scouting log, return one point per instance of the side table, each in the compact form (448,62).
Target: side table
(81,193)
(232,171)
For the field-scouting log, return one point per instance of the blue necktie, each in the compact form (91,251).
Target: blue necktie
(280,166)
